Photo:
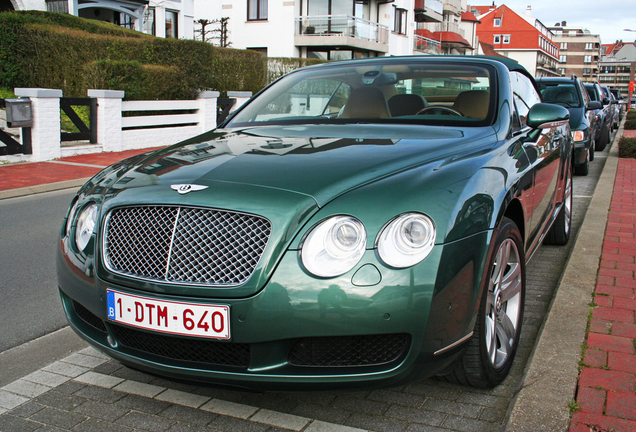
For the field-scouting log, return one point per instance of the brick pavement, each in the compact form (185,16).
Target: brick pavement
(29,174)
(606,394)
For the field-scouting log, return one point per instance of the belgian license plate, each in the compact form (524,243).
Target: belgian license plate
(189,319)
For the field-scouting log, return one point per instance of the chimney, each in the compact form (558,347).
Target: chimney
(564,23)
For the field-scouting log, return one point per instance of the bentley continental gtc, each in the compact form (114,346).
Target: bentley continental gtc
(356,223)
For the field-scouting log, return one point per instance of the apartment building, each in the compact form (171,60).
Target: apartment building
(617,66)
(162,18)
(518,36)
(579,51)
(327,29)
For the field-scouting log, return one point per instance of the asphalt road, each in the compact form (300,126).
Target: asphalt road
(29,300)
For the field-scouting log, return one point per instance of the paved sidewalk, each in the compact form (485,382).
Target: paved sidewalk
(18,179)
(606,390)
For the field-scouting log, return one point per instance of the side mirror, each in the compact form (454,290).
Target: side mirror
(606,101)
(594,105)
(545,115)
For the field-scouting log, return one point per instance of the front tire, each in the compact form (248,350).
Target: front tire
(584,168)
(604,139)
(491,350)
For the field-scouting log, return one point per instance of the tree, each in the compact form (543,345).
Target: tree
(219,32)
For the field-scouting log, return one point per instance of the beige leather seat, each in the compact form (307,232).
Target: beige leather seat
(366,102)
(473,103)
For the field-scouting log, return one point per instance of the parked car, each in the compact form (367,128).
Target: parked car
(603,115)
(622,102)
(570,93)
(356,223)
(614,108)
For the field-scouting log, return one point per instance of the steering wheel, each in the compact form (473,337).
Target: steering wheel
(439,107)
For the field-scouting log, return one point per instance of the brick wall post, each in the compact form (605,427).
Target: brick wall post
(207,109)
(46,131)
(109,105)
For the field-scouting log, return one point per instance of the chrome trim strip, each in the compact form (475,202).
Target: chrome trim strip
(174,232)
(454,344)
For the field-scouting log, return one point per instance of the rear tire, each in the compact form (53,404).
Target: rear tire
(492,347)
(559,234)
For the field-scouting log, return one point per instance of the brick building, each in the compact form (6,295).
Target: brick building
(579,51)
(518,36)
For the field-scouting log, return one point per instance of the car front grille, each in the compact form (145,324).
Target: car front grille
(184,244)
(339,351)
(178,348)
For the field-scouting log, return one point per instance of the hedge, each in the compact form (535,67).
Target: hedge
(50,50)
(627,147)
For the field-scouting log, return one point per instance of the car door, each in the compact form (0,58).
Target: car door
(544,154)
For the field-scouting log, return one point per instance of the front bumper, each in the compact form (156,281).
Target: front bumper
(372,326)
(580,152)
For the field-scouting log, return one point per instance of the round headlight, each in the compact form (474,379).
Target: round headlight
(86,222)
(406,240)
(334,246)
(69,219)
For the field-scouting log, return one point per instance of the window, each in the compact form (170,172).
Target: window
(497,22)
(256,10)
(589,46)
(564,45)
(587,59)
(506,39)
(171,24)
(587,71)
(497,39)
(525,95)
(126,21)
(399,20)
(563,59)
(149,21)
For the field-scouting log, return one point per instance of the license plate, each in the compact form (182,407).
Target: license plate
(189,319)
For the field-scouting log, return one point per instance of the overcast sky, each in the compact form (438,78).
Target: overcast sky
(606,18)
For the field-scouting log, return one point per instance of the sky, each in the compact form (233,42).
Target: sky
(606,18)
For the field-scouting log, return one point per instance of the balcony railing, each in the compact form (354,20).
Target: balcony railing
(444,26)
(342,25)
(426,45)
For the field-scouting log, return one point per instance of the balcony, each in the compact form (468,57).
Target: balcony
(429,10)
(426,46)
(341,31)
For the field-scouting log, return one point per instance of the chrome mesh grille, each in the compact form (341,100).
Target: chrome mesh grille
(184,245)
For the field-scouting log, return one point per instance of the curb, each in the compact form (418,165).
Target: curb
(552,373)
(49,187)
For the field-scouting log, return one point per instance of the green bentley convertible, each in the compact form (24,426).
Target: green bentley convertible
(356,223)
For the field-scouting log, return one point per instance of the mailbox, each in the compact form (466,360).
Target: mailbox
(19,113)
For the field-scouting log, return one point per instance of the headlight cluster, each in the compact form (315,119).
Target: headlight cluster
(85,224)
(337,244)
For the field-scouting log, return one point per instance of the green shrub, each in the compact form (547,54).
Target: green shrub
(49,50)
(631,115)
(627,147)
(630,123)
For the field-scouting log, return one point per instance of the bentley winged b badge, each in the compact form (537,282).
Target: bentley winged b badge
(185,188)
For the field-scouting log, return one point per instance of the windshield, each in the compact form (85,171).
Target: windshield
(562,93)
(415,92)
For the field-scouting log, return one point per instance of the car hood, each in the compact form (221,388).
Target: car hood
(284,174)
(319,162)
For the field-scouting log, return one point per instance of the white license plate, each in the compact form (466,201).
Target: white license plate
(189,319)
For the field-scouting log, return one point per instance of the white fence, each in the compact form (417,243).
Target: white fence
(121,125)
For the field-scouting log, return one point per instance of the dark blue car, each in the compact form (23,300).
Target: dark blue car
(570,93)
